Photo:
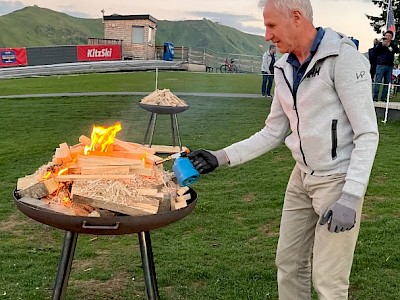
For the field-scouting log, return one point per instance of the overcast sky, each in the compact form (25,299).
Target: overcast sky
(345,16)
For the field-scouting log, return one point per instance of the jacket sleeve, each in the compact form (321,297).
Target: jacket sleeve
(353,85)
(272,135)
(395,48)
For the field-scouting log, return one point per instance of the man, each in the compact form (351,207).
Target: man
(323,110)
(267,70)
(384,52)
(372,59)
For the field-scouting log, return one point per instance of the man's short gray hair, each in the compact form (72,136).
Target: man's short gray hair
(287,6)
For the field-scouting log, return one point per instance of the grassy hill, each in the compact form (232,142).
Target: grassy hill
(35,26)
(207,34)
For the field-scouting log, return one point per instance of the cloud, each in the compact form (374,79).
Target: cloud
(7,7)
(232,20)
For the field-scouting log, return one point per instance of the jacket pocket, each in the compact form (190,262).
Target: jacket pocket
(334,139)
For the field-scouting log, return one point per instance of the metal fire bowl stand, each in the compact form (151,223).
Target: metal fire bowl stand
(165,110)
(73,225)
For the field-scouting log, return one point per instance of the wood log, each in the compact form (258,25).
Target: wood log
(76,149)
(74,177)
(39,189)
(65,153)
(167,149)
(46,205)
(149,192)
(85,140)
(121,145)
(133,209)
(183,198)
(179,205)
(105,170)
(97,160)
(181,191)
(26,181)
(165,202)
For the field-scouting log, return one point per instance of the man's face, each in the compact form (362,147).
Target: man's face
(388,36)
(279,28)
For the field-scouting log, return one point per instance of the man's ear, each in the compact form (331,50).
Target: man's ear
(297,17)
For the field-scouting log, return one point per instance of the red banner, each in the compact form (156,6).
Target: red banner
(12,57)
(99,52)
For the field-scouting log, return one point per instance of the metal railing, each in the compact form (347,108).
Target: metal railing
(213,60)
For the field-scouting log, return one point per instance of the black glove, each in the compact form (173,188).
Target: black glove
(202,160)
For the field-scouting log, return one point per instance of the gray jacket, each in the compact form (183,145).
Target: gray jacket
(330,124)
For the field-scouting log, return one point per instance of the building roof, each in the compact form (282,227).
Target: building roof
(130,17)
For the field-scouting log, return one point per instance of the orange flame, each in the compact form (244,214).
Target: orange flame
(102,138)
(47,176)
(62,171)
(67,201)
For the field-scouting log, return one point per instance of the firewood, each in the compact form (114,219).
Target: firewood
(121,145)
(179,205)
(181,191)
(75,177)
(46,205)
(105,170)
(106,213)
(85,140)
(148,192)
(94,213)
(133,209)
(165,202)
(96,160)
(39,189)
(168,149)
(76,149)
(27,181)
(183,198)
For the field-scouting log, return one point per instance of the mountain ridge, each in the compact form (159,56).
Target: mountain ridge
(33,26)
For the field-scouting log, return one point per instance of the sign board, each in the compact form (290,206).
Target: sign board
(12,57)
(98,52)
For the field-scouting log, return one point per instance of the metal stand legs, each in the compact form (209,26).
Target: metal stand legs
(67,256)
(148,137)
(64,267)
(148,266)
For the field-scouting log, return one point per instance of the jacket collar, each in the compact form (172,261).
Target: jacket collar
(329,46)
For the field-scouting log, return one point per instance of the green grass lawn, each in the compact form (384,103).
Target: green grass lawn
(225,249)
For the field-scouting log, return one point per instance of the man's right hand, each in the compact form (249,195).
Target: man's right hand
(202,160)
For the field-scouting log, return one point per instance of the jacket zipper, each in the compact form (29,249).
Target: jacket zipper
(297,114)
(334,139)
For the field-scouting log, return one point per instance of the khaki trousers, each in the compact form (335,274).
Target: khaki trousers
(307,250)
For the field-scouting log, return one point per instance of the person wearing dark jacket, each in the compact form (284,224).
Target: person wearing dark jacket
(384,52)
(372,59)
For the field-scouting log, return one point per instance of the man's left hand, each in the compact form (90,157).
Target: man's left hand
(341,215)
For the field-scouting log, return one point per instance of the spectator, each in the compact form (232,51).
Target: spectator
(323,110)
(267,70)
(372,59)
(384,52)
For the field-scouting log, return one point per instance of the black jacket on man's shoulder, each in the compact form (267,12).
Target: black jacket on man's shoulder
(385,55)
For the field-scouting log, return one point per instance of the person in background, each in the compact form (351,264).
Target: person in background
(384,53)
(372,59)
(323,110)
(267,70)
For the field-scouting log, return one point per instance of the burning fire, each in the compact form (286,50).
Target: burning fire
(102,138)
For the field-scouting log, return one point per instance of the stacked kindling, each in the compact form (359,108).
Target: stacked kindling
(122,180)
